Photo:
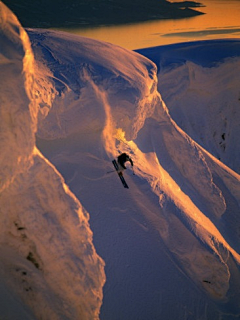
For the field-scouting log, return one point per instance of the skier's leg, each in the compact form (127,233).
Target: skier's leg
(120,169)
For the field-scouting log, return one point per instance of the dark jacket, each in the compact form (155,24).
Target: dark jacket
(124,158)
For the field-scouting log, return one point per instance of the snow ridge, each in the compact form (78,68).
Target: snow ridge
(176,227)
(48,258)
(169,165)
(202,93)
(177,190)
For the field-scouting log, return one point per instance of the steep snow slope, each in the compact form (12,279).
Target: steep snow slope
(170,242)
(199,82)
(176,227)
(48,262)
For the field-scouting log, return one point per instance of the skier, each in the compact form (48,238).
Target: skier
(121,162)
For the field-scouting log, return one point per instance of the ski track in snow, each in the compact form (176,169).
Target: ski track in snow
(170,243)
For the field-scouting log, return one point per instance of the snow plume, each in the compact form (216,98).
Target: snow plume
(170,242)
(48,260)
(105,105)
(82,79)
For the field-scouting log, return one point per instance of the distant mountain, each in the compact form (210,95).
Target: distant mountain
(64,13)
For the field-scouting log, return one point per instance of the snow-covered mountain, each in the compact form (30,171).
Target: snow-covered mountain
(170,243)
(46,242)
(199,82)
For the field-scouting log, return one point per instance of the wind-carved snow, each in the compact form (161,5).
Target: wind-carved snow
(202,93)
(78,97)
(170,242)
(48,260)
(217,134)
(108,105)
(188,224)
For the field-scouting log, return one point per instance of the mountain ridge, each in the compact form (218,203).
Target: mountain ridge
(75,242)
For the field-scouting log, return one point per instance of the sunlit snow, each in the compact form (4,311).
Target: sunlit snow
(74,243)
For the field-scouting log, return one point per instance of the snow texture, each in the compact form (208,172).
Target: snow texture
(48,261)
(199,83)
(170,243)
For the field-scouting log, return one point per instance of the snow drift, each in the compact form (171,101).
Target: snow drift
(170,243)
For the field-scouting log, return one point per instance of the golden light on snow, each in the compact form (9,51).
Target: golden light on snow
(28,69)
(175,222)
(120,135)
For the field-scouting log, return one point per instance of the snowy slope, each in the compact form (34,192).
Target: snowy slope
(170,242)
(48,262)
(199,82)
(174,227)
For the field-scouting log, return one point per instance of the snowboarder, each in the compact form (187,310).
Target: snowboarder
(121,162)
